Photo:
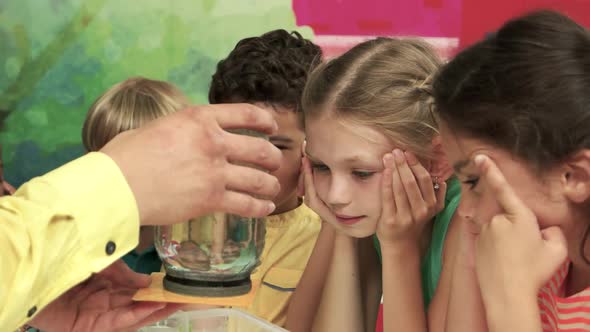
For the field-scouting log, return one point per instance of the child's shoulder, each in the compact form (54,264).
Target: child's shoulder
(309,215)
(300,224)
(567,312)
(302,216)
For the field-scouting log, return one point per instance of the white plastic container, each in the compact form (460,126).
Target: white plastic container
(213,320)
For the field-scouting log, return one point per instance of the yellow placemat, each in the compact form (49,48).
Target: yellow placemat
(156,293)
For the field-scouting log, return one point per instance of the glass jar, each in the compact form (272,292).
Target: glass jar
(212,255)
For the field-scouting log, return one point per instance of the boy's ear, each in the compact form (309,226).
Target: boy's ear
(575,177)
(301,182)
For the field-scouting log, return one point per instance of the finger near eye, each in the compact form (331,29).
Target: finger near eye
(388,203)
(408,180)
(400,196)
(501,189)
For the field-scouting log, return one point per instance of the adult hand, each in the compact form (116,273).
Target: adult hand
(186,164)
(103,303)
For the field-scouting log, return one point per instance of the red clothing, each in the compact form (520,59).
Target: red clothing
(559,313)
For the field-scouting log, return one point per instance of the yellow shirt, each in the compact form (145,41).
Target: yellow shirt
(289,241)
(58,229)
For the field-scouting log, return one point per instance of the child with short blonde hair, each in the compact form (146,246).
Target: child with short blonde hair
(129,105)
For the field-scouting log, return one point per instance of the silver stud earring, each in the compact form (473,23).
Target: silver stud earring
(436,184)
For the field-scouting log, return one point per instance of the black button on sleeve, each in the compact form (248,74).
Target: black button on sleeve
(32,311)
(111,247)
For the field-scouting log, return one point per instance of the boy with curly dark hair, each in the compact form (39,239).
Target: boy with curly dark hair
(270,71)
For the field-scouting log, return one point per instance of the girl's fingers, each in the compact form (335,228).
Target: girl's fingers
(387,199)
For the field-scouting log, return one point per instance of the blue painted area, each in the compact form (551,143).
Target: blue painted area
(29,161)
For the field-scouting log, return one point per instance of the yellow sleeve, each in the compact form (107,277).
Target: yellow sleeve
(58,229)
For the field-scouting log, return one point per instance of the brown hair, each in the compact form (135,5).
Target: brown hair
(129,105)
(271,69)
(384,83)
(526,89)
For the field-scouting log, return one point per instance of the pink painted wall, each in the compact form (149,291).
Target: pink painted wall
(431,18)
(461,21)
(480,17)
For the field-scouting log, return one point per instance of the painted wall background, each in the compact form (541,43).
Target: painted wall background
(57,56)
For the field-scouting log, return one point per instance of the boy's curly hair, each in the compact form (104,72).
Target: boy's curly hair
(270,69)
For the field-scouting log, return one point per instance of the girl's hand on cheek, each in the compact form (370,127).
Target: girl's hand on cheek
(409,201)
(311,198)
